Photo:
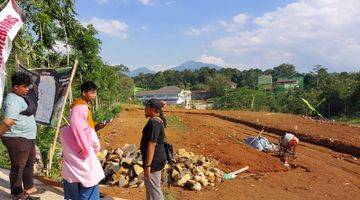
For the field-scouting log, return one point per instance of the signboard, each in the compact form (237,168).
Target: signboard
(49,86)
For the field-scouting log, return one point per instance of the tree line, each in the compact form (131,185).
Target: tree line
(341,91)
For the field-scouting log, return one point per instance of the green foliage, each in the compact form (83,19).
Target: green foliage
(341,90)
(4,157)
(168,195)
(220,85)
(53,23)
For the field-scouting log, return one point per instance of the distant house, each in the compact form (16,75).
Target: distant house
(286,83)
(172,95)
(201,95)
(265,82)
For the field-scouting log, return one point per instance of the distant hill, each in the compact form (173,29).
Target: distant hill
(194,65)
(138,71)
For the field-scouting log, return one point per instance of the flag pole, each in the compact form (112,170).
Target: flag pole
(53,145)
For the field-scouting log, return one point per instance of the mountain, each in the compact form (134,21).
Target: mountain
(194,65)
(137,71)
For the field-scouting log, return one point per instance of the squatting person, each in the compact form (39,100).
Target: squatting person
(287,144)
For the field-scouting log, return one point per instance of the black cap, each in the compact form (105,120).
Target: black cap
(154,103)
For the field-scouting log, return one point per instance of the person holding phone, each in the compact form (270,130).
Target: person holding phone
(18,131)
(81,169)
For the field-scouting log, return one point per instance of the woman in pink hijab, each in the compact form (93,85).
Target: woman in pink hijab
(81,169)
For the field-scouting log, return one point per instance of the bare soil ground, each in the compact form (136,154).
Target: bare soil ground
(340,137)
(318,173)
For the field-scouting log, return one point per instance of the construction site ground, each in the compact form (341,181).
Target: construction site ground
(327,166)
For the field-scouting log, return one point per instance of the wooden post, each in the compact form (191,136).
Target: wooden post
(53,146)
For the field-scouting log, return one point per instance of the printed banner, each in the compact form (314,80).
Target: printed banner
(49,87)
(10,23)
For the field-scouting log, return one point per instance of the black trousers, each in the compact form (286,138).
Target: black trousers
(22,156)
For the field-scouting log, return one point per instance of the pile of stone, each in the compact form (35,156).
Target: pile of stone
(123,168)
(192,171)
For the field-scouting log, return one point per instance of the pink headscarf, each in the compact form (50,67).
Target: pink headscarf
(78,135)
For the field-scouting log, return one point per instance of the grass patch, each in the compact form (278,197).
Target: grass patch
(350,120)
(168,195)
(175,123)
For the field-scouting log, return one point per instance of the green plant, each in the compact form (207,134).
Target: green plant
(168,195)
(4,157)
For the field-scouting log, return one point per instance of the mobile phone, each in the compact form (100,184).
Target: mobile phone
(107,121)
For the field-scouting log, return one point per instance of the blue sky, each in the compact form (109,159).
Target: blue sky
(159,34)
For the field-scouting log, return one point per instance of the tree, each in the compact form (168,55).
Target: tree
(284,69)
(220,85)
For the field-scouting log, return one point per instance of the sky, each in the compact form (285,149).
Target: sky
(160,34)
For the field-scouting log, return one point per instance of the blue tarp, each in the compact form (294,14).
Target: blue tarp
(260,143)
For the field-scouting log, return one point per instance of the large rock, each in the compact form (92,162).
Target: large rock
(183,153)
(193,185)
(137,157)
(102,155)
(133,183)
(199,170)
(183,180)
(138,169)
(210,176)
(113,157)
(175,175)
(39,165)
(201,180)
(127,161)
(119,152)
(129,150)
(122,181)
(124,170)
(179,167)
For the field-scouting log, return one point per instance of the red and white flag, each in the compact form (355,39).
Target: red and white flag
(10,24)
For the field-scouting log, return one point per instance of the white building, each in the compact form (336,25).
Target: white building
(172,95)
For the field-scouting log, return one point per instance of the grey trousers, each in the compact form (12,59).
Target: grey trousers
(153,186)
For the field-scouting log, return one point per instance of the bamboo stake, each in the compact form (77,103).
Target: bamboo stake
(67,122)
(53,146)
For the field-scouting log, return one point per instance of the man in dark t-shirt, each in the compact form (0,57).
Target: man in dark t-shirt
(153,150)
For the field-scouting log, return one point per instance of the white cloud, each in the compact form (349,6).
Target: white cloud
(113,28)
(304,33)
(144,28)
(169,2)
(211,60)
(147,2)
(102,1)
(238,22)
(198,32)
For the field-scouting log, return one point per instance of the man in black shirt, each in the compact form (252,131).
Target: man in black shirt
(153,150)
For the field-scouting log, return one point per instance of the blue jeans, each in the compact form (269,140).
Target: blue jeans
(75,191)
